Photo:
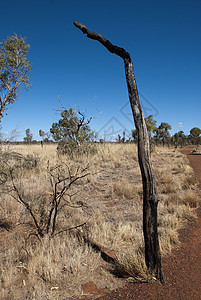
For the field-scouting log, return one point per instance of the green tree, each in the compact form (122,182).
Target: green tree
(179,138)
(151,125)
(194,136)
(162,133)
(42,133)
(45,136)
(29,136)
(72,132)
(118,138)
(14,68)
(121,139)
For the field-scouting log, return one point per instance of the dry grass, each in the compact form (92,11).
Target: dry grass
(112,200)
(191,199)
(132,265)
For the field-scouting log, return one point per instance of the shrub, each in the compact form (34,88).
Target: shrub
(73,133)
(73,150)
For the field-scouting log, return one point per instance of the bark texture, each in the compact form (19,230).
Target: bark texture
(150,196)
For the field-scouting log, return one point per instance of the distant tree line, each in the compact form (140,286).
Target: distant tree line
(161,135)
(74,131)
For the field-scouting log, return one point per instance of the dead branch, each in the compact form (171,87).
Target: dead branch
(150,196)
(105,42)
(71,228)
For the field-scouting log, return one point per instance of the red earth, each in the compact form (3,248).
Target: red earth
(181,270)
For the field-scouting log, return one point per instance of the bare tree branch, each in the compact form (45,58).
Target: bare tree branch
(71,228)
(105,42)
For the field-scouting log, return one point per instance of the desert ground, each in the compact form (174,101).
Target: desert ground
(98,234)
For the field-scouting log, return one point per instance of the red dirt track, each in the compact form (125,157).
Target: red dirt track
(182,270)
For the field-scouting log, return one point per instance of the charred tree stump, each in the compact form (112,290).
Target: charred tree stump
(150,196)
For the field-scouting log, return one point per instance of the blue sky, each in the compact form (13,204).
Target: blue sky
(163,38)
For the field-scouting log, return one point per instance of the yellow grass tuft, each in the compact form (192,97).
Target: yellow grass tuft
(191,199)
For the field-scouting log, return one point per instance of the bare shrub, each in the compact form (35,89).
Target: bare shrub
(43,208)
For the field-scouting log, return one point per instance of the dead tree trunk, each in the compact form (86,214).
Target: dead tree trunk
(150,197)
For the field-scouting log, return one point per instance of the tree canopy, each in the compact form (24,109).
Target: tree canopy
(194,136)
(29,136)
(72,127)
(14,68)
(151,125)
(72,131)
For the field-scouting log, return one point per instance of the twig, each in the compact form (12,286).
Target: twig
(71,228)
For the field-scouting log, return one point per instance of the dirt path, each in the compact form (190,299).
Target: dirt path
(182,271)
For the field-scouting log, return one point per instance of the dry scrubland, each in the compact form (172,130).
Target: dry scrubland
(110,200)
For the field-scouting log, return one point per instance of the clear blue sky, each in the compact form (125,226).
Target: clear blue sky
(163,38)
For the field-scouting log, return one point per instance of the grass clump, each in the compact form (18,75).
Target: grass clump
(191,199)
(124,189)
(132,266)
